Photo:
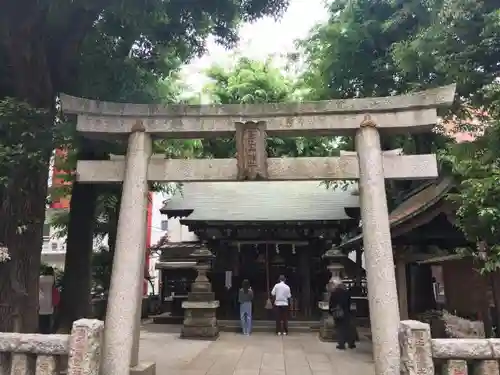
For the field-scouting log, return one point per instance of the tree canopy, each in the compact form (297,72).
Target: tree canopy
(379,48)
(476,167)
(250,81)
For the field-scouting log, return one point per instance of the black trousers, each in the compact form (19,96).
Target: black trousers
(45,323)
(281,319)
(346,332)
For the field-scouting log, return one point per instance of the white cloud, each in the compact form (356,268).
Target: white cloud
(260,39)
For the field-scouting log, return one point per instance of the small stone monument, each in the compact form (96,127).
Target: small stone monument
(327,324)
(200,321)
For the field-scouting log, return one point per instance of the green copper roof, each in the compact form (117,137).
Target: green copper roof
(262,201)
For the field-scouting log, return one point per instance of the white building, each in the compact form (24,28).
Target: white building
(54,247)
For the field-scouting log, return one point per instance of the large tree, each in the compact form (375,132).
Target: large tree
(476,168)
(49,47)
(379,48)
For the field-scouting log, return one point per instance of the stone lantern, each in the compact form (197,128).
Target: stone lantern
(336,260)
(336,268)
(203,258)
(200,319)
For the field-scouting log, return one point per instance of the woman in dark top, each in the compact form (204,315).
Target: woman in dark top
(340,308)
(245,297)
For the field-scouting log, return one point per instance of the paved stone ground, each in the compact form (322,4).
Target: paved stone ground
(259,354)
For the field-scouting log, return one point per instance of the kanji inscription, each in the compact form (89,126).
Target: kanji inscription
(84,351)
(251,151)
(250,145)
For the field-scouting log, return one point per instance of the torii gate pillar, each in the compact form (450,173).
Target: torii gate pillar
(381,280)
(128,261)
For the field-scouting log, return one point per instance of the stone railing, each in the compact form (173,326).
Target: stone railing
(447,325)
(423,355)
(36,354)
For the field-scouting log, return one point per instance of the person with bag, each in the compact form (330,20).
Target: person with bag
(340,308)
(245,297)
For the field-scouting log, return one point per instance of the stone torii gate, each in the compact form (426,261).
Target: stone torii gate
(364,118)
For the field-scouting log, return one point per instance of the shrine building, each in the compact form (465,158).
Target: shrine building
(258,231)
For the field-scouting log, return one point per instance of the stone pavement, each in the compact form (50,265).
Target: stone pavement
(259,354)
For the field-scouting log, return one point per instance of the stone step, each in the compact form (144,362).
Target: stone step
(268,326)
(265,325)
(234,325)
(167,319)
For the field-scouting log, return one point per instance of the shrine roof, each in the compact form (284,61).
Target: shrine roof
(175,250)
(414,205)
(261,201)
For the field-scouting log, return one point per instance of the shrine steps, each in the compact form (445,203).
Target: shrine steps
(269,325)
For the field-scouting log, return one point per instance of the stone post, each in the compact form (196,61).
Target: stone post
(85,347)
(128,263)
(381,279)
(416,348)
(487,367)
(454,367)
(21,363)
(46,365)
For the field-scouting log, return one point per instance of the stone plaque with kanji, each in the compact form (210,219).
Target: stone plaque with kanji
(251,151)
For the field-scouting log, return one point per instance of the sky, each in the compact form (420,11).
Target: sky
(260,39)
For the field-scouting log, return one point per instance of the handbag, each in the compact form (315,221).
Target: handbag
(337,312)
(269,304)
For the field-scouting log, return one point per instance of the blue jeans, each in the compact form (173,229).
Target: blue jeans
(246,317)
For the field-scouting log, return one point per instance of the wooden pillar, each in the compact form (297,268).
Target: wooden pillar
(402,287)
(359,267)
(421,289)
(236,279)
(235,259)
(305,275)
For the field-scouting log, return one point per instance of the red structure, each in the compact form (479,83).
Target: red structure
(59,180)
(149,219)
(64,204)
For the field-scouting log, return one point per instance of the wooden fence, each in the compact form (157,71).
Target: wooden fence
(78,353)
(423,355)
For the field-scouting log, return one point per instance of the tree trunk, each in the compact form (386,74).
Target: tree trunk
(22,211)
(77,279)
(113,222)
(34,69)
(21,220)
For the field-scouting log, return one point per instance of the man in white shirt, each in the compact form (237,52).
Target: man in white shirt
(281,293)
